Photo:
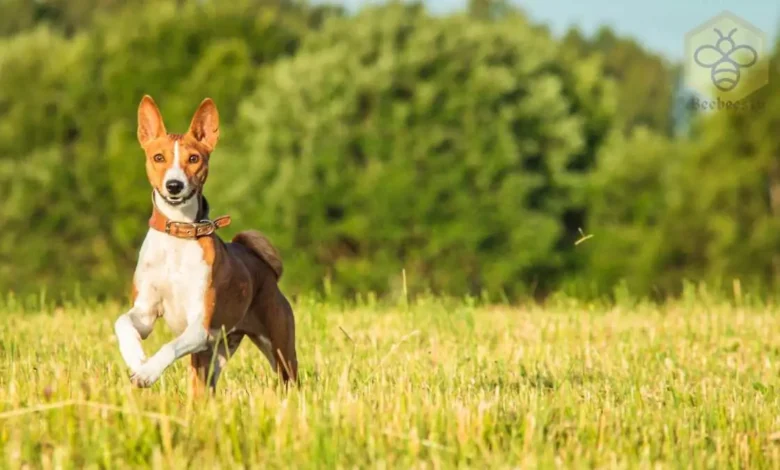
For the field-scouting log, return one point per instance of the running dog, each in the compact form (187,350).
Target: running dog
(211,293)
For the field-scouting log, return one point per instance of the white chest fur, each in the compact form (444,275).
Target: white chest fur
(171,278)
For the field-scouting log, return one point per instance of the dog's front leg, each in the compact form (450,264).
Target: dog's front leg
(130,328)
(194,339)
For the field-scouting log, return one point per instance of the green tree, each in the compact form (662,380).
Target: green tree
(645,80)
(72,176)
(449,147)
(702,208)
(635,193)
(64,16)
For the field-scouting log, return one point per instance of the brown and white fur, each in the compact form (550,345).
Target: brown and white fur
(202,286)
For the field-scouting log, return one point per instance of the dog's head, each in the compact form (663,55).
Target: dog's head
(177,164)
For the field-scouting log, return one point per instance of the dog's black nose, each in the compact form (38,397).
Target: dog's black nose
(174,187)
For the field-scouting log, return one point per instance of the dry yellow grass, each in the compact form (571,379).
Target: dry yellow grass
(441,384)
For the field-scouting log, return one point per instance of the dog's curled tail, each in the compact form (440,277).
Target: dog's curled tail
(262,247)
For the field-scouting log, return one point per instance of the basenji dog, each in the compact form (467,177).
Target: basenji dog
(212,294)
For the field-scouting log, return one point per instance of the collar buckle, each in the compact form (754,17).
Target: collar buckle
(208,225)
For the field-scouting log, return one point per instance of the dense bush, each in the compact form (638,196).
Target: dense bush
(701,208)
(454,149)
(71,176)
(468,150)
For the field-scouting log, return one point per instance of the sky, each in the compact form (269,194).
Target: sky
(660,25)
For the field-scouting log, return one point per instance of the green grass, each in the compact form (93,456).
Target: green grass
(441,384)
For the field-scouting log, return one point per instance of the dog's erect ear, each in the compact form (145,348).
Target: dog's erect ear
(150,122)
(205,124)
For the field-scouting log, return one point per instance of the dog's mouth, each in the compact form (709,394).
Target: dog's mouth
(177,199)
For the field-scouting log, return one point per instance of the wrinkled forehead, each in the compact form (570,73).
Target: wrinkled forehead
(184,143)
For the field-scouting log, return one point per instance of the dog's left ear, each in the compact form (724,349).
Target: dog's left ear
(205,124)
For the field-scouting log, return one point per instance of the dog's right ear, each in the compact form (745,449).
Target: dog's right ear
(150,122)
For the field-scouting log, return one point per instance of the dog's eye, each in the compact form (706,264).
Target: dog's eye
(159,158)
(194,158)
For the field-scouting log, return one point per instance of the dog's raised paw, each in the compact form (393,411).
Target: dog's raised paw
(144,377)
(140,382)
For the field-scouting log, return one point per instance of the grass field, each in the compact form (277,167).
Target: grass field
(439,384)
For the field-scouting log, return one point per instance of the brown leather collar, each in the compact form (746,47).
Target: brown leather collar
(188,230)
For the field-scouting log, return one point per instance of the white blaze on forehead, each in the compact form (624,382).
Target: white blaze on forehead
(175,172)
(176,163)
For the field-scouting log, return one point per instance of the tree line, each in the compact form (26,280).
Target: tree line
(464,153)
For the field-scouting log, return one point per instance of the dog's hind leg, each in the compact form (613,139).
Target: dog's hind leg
(276,339)
(283,341)
(201,370)
(283,361)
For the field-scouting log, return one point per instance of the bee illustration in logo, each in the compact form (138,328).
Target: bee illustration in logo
(725,59)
